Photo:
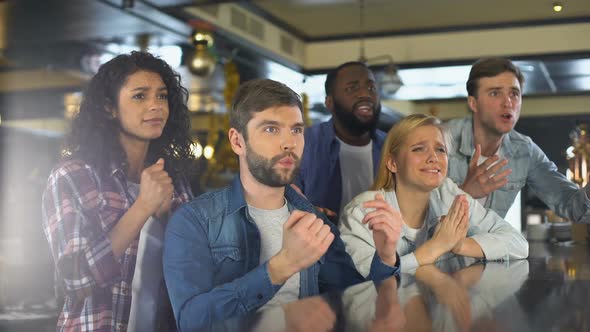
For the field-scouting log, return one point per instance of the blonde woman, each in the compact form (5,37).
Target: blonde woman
(438,219)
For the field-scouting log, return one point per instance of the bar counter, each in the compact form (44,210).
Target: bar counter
(550,291)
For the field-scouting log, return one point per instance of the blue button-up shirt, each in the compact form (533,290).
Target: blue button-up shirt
(320,177)
(212,253)
(530,166)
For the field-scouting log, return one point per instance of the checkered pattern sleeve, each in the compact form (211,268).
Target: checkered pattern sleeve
(72,223)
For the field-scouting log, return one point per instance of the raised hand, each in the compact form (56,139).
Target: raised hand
(452,228)
(463,227)
(386,224)
(305,239)
(155,189)
(155,194)
(482,180)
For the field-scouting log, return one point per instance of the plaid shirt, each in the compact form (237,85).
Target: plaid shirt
(79,210)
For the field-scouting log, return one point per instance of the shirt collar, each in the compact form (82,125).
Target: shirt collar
(237,200)
(507,146)
(236,195)
(466,145)
(116,170)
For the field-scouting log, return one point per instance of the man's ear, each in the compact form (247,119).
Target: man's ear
(238,144)
(391,165)
(472,102)
(329,103)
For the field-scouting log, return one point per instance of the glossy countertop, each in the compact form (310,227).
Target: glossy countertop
(550,291)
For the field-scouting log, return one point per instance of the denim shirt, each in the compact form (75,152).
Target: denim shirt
(496,237)
(212,253)
(320,178)
(530,166)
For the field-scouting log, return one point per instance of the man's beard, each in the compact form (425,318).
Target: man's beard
(351,123)
(262,168)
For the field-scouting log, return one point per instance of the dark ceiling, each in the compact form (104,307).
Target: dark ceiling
(58,33)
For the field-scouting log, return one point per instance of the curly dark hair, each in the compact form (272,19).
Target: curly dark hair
(94,138)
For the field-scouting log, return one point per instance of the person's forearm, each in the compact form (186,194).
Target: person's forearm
(279,270)
(390,261)
(470,248)
(127,228)
(428,252)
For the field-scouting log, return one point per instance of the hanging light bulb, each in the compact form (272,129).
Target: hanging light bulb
(202,63)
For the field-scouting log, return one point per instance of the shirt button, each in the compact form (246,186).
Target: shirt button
(259,296)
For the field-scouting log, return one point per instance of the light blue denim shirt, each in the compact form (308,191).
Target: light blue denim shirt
(212,260)
(497,239)
(530,166)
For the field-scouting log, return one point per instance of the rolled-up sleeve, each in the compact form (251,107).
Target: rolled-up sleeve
(359,243)
(496,237)
(81,249)
(357,237)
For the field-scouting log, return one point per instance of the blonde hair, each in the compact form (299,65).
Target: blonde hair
(397,135)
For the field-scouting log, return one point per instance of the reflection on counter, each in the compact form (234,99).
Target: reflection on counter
(547,292)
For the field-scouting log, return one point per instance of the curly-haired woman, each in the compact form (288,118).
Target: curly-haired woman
(107,201)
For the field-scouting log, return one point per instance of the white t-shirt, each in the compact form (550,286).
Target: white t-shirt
(270,226)
(148,277)
(356,169)
(411,233)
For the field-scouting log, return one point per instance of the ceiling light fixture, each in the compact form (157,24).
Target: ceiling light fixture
(557,7)
(389,81)
(202,63)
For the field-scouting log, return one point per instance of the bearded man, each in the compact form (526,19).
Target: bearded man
(257,242)
(341,155)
